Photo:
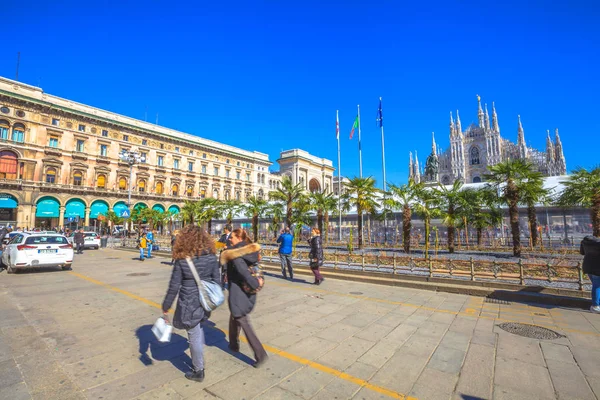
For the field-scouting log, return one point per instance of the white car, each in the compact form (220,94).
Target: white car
(26,250)
(91,240)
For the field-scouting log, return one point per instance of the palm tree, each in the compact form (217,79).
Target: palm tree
(320,201)
(189,211)
(583,188)
(154,217)
(480,209)
(113,218)
(361,193)
(427,207)
(208,209)
(230,208)
(301,216)
(402,198)
(450,200)
(274,211)
(254,208)
(329,206)
(532,192)
(506,178)
(289,194)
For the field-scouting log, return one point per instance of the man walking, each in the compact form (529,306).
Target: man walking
(79,239)
(150,241)
(226,235)
(285,252)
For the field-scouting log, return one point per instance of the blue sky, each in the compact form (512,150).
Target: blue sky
(269,76)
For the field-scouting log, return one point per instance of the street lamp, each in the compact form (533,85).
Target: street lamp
(131,157)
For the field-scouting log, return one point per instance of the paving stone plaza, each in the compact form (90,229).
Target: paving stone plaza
(86,334)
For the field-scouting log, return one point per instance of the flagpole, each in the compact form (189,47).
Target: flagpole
(359,146)
(337,120)
(383,164)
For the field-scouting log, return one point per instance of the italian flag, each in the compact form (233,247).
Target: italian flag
(355,126)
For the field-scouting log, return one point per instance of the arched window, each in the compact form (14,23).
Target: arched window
(18,133)
(238,196)
(101,182)
(8,165)
(227,195)
(159,188)
(51,175)
(476,179)
(190,191)
(262,179)
(4,127)
(141,185)
(446,180)
(474,155)
(215,193)
(77,178)
(261,194)
(122,183)
(175,190)
(202,193)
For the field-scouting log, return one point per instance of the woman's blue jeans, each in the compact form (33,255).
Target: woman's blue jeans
(595,289)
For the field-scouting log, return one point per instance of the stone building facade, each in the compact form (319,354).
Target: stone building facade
(59,162)
(472,150)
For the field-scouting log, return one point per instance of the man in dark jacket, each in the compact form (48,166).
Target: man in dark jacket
(4,233)
(285,241)
(78,239)
(226,235)
(590,248)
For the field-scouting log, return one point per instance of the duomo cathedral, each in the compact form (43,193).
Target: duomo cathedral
(472,150)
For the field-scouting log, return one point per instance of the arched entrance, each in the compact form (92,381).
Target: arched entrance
(119,207)
(98,210)
(175,222)
(8,209)
(8,165)
(47,213)
(314,186)
(74,214)
(159,207)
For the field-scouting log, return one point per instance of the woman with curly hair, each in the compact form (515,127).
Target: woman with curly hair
(238,258)
(194,243)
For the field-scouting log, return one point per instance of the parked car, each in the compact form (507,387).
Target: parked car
(26,250)
(91,240)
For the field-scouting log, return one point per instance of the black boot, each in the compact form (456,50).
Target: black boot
(197,376)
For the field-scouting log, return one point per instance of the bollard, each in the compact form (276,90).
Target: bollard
(394,268)
(363,261)
(580,272)
(521,278)
(430,268)
(472,268)
(549,271)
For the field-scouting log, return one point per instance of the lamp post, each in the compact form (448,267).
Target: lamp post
(131,157)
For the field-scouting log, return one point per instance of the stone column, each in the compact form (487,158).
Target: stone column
(31,222)
(61,216)
(87,216)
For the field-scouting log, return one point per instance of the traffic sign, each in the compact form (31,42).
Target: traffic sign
(70,219)
(125,213)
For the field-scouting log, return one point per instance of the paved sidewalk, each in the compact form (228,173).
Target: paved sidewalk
(86,335)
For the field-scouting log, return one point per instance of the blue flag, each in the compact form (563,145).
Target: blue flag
(380,115)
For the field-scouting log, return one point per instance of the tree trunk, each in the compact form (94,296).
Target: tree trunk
(451,228)
(209,226)
(360,229)
(320,220)
(479,235)
(255,227)
(288,214)
(513,212)
(535,240)
(466,224)
(406,227)
(595,210)
(427,222)
(326,218)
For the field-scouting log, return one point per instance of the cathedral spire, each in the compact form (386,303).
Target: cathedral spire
(487,119)
(480,114)
(550,154)
(521,141)
(561,165)
(410,165)
(495,125)
(433,146)
(452,126)
(417,174)
(458,126)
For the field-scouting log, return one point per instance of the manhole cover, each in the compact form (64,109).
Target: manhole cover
(356,293)
(530,331)
(112,258)
(139,274)
(495,301)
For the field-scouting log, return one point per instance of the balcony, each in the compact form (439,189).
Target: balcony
(143,167)
(79,156)
(103,159)
(53,151)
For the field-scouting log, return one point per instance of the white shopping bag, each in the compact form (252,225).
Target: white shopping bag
(162,330)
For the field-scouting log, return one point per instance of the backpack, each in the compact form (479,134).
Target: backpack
(257,272)
(211,293)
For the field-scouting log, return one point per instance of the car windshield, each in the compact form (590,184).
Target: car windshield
(46,240)
(91,235)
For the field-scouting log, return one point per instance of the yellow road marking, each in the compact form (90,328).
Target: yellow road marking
(417,306)
(320,367)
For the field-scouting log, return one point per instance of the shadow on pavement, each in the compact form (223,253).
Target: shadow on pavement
(152,350)
(295,280)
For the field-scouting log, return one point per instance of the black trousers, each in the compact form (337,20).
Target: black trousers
(235,324)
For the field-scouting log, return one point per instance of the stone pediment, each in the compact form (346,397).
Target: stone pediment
(49,160)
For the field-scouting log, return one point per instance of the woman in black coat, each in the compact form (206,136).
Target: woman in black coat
(197,245)
(316,255)
(590,248)
(238,258)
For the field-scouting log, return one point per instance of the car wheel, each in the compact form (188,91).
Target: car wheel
(9,269)
(67,268)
